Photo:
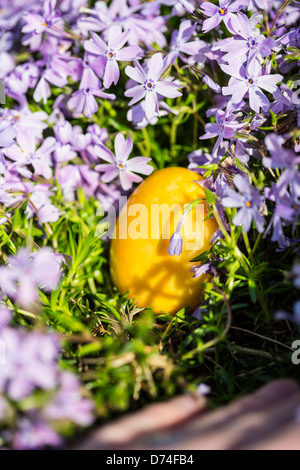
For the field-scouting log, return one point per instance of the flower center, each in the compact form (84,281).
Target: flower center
(149,85)
(248,204)
(110,54)
(250,81)
(222,11)
(251,43)
(44,24)
(121,166)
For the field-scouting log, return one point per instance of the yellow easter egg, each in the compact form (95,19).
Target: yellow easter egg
(139,260)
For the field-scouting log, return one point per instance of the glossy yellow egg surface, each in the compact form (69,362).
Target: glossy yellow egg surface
(139,258)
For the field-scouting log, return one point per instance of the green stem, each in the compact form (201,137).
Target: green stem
(248,247)
(283,6)
(195,128)
(256,243)
(173,136)
(220,224)
(147,142)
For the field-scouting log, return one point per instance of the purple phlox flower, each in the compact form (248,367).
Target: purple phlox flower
(41,206)
(248,44)
(206,79)
(109,194)
(176,244)
(214,56)
(286,211)
(261,4)
(113,51)
(89,180)
(180,41)
(118,165)
(287,160)
(204,268)
(71,9)
(291,38)
(72,177)
(11,13)
(203,389)
(31,362)
(90,78)
(221,102)
(220,184)
(26,122)
(211,84)
(83,100)
(239,151)
(47,268)
(198,313)
(225,127)
(295,275)
(224,12)
(243,82)
(95,64)
(25,273)
(8,64)
(257,121)
(176,241)
(63,131)
(199,158)
(292,317)
(284,243)
(35,435)
(4,412)
(64,153)
(137,113)
(285,101)
(36,24)
(19,81)
(97,134)
(5,318)
(145,28)
(69,180)
(13,191)
(180,6)
(3,167)
(68,404)
(249,202)
(5,218)
(188,5)
(59,68)
(6,41)
(79,140)
(289,17)
(150,84)
(7,133)
(26,154)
